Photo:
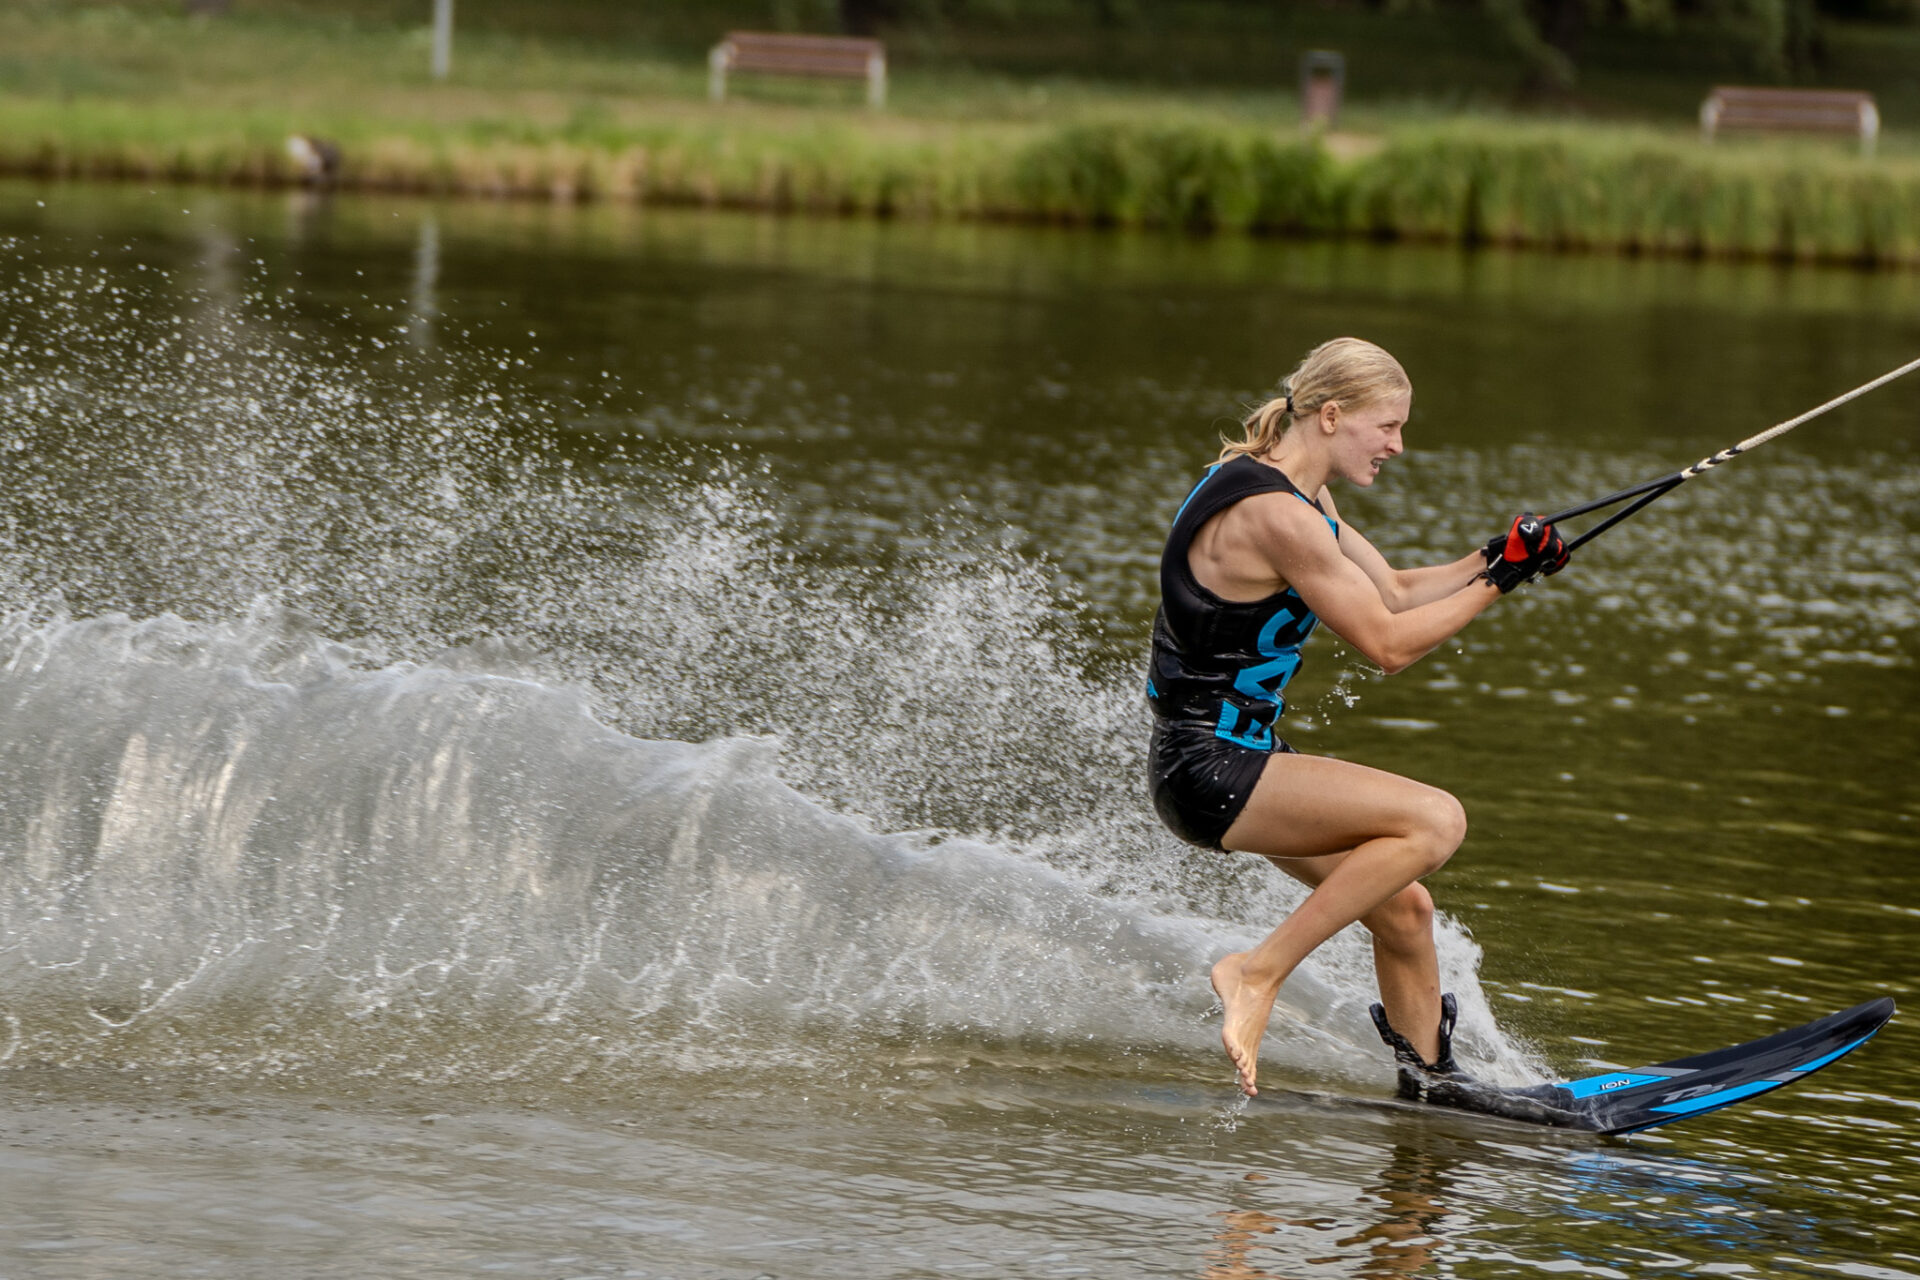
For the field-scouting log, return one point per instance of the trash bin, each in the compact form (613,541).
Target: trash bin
(1323,77)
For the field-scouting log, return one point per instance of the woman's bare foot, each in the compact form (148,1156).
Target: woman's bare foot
(1248,1006)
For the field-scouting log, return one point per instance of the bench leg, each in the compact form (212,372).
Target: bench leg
(877,81)
(717,73)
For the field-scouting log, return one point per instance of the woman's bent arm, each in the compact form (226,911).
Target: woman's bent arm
(1306,555)
(1403,589)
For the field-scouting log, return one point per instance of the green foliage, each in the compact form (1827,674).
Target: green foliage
(1581,190)
(1188,176)
(1565,188)
(1113,173)
(1549,64)
(1299,191)
(1776,39)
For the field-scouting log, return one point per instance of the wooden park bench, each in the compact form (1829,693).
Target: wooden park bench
(1792,110)
(841,57)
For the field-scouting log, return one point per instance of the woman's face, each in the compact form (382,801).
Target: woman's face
(1365,438)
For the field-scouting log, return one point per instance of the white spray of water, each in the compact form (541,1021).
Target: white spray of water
(293,767)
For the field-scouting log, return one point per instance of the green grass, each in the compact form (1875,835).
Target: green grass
(139,93)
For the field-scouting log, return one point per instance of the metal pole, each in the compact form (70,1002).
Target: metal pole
(442,38)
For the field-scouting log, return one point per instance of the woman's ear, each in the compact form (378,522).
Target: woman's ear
(1330,417)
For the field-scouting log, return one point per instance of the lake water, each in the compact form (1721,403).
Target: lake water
(574,742)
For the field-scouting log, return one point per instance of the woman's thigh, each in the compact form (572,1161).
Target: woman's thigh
(1311,807)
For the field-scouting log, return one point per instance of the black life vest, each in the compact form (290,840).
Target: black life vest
(1225,663)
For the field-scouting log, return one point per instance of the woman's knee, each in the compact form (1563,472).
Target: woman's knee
(1404,921)
(1442,825)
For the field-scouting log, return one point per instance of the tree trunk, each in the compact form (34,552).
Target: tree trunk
(863,17)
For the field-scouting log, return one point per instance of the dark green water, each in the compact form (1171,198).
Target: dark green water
(605,742)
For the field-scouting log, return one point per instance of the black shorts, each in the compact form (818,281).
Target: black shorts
(1200,781)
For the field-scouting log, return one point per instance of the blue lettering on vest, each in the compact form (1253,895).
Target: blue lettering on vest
(1264,681)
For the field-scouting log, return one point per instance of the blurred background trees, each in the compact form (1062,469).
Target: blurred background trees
(1610,57)
(1779,38)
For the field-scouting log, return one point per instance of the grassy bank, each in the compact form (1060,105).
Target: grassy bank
(216,103)
(1560,186)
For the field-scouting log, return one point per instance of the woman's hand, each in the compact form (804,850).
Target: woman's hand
(1529,547)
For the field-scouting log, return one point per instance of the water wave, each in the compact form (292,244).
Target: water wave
(239,843)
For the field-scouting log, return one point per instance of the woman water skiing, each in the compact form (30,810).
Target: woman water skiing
(1256,559)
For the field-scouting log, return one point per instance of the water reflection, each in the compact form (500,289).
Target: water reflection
(308,214)
(1240,1233)
(1399,1229)
(422,307)
(1439,1197)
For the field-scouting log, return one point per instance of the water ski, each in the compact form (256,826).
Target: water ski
(1629,1101)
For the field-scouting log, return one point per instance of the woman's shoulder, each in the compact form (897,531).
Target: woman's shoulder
(1281,515)
(1264,480)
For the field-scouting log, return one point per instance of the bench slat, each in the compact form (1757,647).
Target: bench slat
(1737,93)
(789,40)
(799,64)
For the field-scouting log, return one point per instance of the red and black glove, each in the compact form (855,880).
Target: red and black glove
(1530,546)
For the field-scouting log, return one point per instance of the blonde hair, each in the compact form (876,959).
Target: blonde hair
(1351,371)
